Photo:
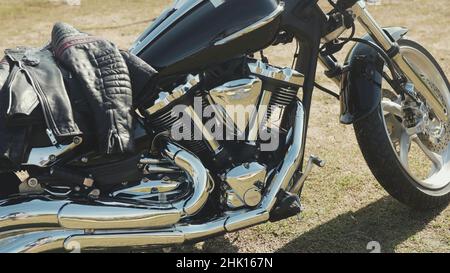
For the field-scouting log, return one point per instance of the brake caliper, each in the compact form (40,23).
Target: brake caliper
(415,111)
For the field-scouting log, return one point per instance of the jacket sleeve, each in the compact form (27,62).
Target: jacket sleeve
(141,73)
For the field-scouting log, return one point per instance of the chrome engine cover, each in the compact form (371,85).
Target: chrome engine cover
(235,102)
(257,100)
(246,183)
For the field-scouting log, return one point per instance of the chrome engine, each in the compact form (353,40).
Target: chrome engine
(266,92)
(244,108)
(177,181)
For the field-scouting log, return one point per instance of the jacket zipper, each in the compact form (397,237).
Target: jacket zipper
(45,106)
(9,84)
(113,134)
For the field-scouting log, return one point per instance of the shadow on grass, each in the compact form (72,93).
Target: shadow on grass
(384,221)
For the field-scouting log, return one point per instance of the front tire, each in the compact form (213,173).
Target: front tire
(387,164)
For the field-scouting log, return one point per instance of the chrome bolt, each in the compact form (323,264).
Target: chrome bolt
(77,140)
(94,194)
(33,182)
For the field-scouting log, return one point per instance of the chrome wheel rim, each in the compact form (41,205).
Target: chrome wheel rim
(424,153)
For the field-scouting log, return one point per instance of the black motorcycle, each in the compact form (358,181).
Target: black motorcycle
(220,135)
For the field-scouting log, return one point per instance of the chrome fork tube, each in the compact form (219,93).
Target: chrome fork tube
(372,27)
(369,23)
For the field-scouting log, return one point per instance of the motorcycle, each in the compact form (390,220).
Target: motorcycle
(188,183)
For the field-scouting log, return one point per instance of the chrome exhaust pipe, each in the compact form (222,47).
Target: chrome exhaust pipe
(36,212)
(21,212)
(36,241)
(199,174)
(45,240)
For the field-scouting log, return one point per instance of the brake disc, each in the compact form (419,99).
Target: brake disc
(436,143)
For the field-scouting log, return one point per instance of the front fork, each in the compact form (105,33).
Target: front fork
(392,49)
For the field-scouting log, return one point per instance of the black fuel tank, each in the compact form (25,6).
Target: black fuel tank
(193,34)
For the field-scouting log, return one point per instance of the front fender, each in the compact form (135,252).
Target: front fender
(361,83)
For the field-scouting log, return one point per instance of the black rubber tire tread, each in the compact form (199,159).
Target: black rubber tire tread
(384,163)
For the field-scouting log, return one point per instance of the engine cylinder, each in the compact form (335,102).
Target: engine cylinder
(162,117)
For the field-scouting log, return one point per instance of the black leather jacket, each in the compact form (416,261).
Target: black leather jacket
(105,80)
(32,90)
(92,70)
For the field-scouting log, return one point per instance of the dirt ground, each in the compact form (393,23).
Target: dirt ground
(345,206)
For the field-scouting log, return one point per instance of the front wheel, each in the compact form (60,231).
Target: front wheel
(413,165)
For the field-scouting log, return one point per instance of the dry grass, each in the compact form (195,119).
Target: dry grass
(345,206)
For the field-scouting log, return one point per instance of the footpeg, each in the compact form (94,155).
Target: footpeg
(288,206)
(313,161)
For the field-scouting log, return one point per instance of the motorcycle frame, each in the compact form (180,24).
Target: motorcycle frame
(305,20)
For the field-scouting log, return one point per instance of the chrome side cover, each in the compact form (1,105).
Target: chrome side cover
(244,181)
(230,98)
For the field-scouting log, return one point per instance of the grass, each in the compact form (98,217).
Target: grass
(345,206)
